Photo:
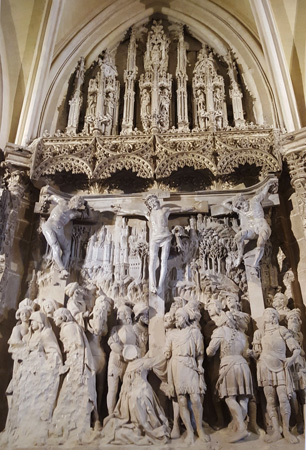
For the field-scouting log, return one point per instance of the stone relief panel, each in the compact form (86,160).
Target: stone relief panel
(128,287)
(158,317)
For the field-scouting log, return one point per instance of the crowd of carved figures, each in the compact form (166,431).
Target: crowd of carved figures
(95,102)
(82,363)
(140,324)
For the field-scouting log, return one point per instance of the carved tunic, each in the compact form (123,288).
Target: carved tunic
(185,346)
(270,366)
(234,376)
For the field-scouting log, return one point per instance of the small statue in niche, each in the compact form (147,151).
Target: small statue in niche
(235,380)
(184,348)
(145,111)
(109,110)
(164,109)
(138,417)
(273,371)
(73,419)
(121,335)
(201,108)
(253,222)
(218,99)
(92,97)
(54,228)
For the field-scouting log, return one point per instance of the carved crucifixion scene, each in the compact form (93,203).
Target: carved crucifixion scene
(153,296)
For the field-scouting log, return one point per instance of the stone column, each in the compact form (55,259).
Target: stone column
(294,151)
(129,79)
(181,75)
(15,236)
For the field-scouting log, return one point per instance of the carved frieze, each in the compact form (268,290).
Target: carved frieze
(122,152)
(99,157)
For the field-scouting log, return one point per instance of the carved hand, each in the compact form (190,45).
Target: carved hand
(289,361)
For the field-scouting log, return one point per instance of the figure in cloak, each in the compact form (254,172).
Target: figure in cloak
(72,418)
(138,417)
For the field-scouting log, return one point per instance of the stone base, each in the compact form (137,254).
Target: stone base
(218,442)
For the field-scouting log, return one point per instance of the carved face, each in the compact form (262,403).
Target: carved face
(76,202)
(280,301)
(271,316)
(48,308)
(232,303)
(180,320)
(25,315)
(168,320)
(294,323)
(243,205)
(35,325)
(153,203)
(124,318)
(58,319)
(144,318)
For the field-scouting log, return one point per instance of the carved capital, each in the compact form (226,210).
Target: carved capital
(295,155)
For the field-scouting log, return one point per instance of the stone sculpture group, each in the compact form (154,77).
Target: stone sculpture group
(92,352)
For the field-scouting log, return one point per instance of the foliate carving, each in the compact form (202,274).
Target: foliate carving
(174,152)
(99,157)
(220,152)
(62,154)
(113,154)
(94,157)
(259,148)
